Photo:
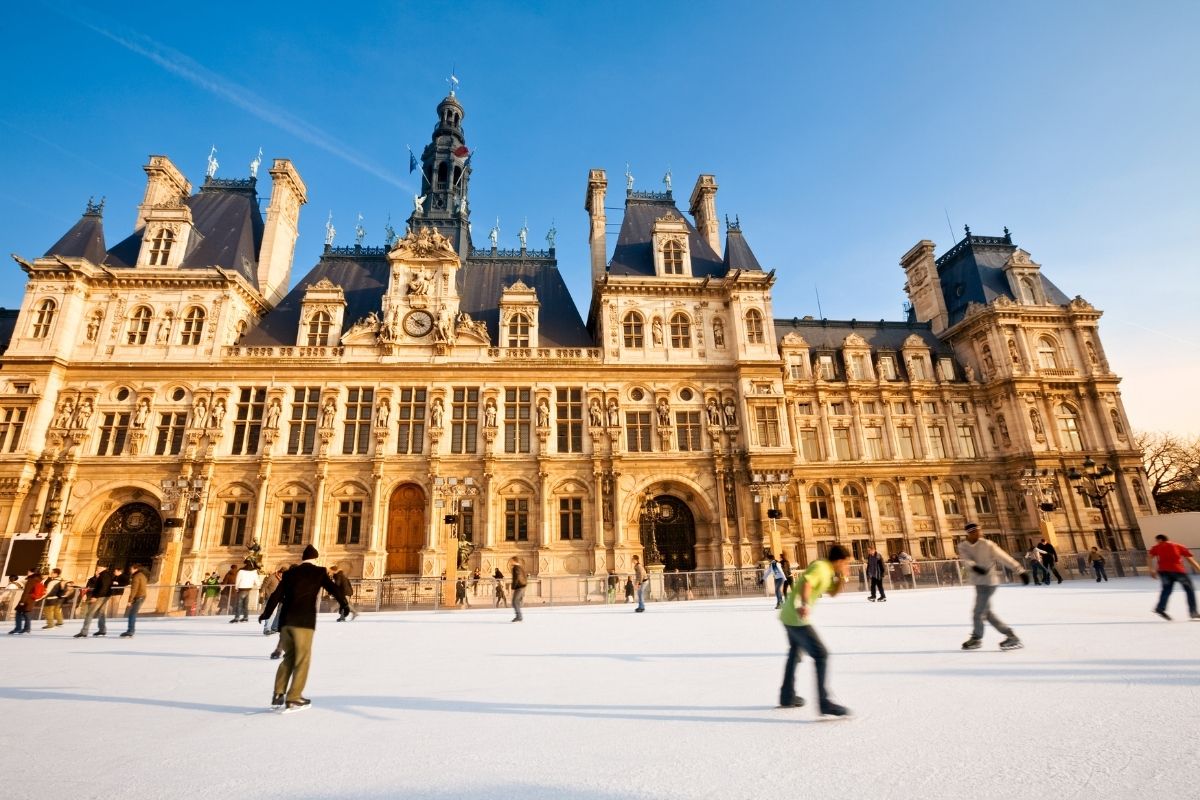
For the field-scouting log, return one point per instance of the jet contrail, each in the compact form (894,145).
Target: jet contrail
(197,74)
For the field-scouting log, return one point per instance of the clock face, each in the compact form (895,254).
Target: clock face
(418,323)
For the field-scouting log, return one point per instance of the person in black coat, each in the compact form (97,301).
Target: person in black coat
(297,595)
(101,589)
(1049,560)
(875,574)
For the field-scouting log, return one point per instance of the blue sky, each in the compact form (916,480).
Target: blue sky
(840,133)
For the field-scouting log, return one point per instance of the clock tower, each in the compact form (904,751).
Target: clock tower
(421,303)
(445,177)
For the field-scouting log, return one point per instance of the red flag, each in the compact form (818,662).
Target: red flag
(461,151)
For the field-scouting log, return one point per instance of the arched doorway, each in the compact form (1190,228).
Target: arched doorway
(131,535)
(406,529)
(674,532)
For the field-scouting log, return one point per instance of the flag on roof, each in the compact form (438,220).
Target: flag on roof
(412,162)
(461,151)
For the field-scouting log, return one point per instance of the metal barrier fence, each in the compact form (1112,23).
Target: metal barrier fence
(403,594)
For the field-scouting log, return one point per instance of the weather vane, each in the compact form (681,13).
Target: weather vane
(453,81)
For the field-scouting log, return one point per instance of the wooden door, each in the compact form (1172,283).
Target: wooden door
(406,530)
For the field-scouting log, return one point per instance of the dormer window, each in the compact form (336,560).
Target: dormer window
(518,331)
(44,319)
(634,330)
(681,331)
(139,325)
(672,258)
(193,326)
(318,329)
(754,326)
(160,247)
(1028,293)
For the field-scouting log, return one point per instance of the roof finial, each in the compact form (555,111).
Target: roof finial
(255,164)
(360,232)
(552,234)
(967,228)
(453,81)
(330,231)
(212,163)
(93,208)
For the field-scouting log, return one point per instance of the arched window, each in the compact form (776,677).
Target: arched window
(818,503)
(885,499)
(139,325)
(918,499)
(318,329)
(852,502)
(950,499)
(754,326)
(1047,353)
(518,331)
(1028,293)
(193,326)
(982,498)
(44,318)
(443,173)
(672,258)
(160,247)
(681,330)
(1116,422)
(1068,428)
(634,330)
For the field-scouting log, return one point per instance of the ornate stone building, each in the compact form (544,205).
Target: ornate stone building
(170,399)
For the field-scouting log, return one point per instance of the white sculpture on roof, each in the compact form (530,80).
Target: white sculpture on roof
(255,164)
(330,231)
(494,233)
(212,163)
(628,178)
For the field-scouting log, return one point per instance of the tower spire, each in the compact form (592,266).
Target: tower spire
(446,174)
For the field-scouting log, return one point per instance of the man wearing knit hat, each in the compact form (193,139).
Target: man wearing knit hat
(982,557)
(297,594)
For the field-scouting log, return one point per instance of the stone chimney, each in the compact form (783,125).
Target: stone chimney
(165,186)
(288,193)
(597,188)
(703,208)
(924,287)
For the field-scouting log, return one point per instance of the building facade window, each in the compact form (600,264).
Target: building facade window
(349,522)
(233,523)
(518,331)
(804,408)
(139,325)
(841,444)
(318,329)
(810,444)
(904,442)
(302,430)
(291,522)
(464,419)
(410,416)
(681,331)
(951,504)
(887,366)
(12,425)
(796,367)
(966,441)
(946,368)
(852,502)
(818,503)
(169,436)
(687,430)
(193,326)
(885,501)
(518,410)
(634,329)
(637,431)
(858,367)
(570,518)
(569,419)
(1068,428)
(160,247)
(44,318)
(247,423)
(937,442)
(825,368)
(918,500)
(982,498)
(873,435)
(672,258)
(516,519)
(360,405)
(1047,353)
(114,431)
(766,425)
(754,326)
(838,408)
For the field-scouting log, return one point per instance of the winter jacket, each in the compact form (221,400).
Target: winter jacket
(639,573)
(137,585)
(344,583)
(298,593)
(987,555)
(270,583)
(1049,554)
(875,566)
(211,586)
(1094,557)
(247,578)
(103,586)
(27,602)
(54,589)
(906,563)
(519,579)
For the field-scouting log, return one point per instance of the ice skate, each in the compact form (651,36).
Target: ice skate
(1011,642)
(834,710)
(797,702)
(277,700)
(1163,614)
(974,643)
(297,705)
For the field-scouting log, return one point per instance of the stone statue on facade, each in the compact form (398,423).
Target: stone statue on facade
(218,414)
(730,412)
(664,412)
(83,415)
(330,231)
(713,412)
(65,412)
(418,285)
(418,204)
(444,328)
(93,327)
(551,235)
(543,413)
(489,414)
(523,234)
(328,412)
(199,413)
(656,332)
(614,414)
(382,412)
(1035,419)
(595,414)
(254,165)
(142,414)
(718,333)
(494,233)
(273,415)
(212,163)
(437,413)
(628,178)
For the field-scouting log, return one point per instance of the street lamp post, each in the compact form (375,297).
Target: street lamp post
(773,486)
(1095,485)
(651,510)
(454,494)
(181,498)
(1037,485)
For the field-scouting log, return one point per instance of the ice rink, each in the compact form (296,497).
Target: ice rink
(599,702)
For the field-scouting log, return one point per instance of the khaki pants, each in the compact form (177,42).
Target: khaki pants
(296,644)
(52,614)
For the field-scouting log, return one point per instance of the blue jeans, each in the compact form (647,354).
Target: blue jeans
(97,607)
(1099,567)
(241,609)
(803,638)
(131,613)
(1169,579)
(22,619)
(641,596)
(1039,573)
(518,600)
(778,591)
(272,625)
(983,610)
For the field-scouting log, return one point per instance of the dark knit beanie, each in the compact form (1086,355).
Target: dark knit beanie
(310,553)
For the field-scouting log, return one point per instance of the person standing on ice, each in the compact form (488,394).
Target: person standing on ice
(982,557)
(1049,560)
(519,581)
(774,572)
(137,596)
(1167,565)
(824,576)
(298,593)
(97,606)
(875,575)
(639,579)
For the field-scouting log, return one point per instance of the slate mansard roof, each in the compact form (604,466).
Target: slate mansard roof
(972,271)
(364,277)
(883,337)
(634,254)
(227,232)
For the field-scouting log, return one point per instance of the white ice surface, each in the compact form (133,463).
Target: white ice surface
(602,703)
